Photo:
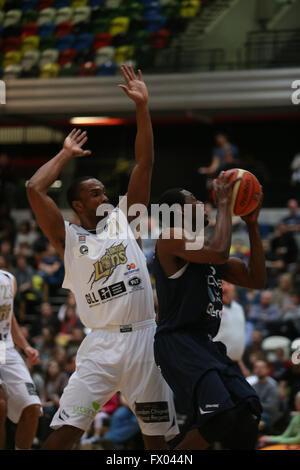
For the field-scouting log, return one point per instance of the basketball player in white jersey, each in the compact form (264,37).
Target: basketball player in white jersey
(108,275)
(18,397)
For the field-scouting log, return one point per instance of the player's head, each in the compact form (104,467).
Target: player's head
(181,196)
(85,195)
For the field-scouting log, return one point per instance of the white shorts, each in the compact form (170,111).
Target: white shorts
(109,361)
(17,384)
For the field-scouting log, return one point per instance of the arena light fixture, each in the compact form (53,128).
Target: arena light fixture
(96,121)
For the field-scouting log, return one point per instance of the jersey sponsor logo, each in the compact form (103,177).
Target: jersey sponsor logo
(131,269)
(82,238)
(84,411)
(31,388)
(111,291)
(202,412)
(153,412)
(63,414)
(134,281)
(103,269)
(84,250)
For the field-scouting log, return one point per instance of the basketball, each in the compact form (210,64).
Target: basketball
(246,193)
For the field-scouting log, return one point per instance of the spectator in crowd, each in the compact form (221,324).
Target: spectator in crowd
(274,264)
(292,433)
(71,363)
(45,344)
(51,268)
(295,176)
(76,339)
(71,302)
(224,156)
(292,221)
(7,251)
(232,327)
(282,293)
(253,349)
(70,322)
(26,234)
(283,243)
(268,392)
(45,319)
(7,223)
(265,314)
(239,250)
(292,315)
(290,381)
(3,263)
(279,364)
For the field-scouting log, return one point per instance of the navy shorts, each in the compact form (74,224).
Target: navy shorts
(201,375)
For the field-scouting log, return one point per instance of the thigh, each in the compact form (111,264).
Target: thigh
(19,386)
(146,391)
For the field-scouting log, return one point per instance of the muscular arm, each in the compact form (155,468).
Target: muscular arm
(140,179)
(252,276)
(45,210)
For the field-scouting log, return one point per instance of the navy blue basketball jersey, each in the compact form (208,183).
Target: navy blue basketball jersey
(193,301)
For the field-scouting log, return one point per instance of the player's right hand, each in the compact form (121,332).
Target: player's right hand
(73,144)
(223,187)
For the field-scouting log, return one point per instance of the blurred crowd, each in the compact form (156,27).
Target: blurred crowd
(262,330)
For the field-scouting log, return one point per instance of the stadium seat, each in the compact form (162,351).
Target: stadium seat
(30,43)
(159,39)
(271,343)
(123,53)
(82,14)
(121,40)
(105,54)
(100,25)
(30,58)
(62,4)
(28,5)
(2,3)
(11,44)
(63,14)
(96,3)
(88,69)
(85,55)
(79,3)
(48,42)
(153,5)
(30,29)
(66,56)
(49,71)
(47,29)
(107,69)
(12,18)
(119,25)
(83,41)
(1,17)
(113,4)
(155,21)
(12,72)
(48,56)
(82,27)
(102,40)
(66,42)
(46,16)
(68,70)
(63,28)
(12,5)
(141,37)
(43,4)
(189,8)
(12,31)
(30,16)
(11,58)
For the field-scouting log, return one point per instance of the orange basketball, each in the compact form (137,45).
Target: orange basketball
(246,193)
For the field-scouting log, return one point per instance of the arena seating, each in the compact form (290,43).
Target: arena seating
(129,31)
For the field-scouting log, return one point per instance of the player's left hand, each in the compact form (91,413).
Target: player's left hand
(32,354)
(253,216)
(136,88)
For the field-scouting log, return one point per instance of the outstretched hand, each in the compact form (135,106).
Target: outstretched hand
(73,143)
(136,88)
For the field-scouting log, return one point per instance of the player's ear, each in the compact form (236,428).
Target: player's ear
(77,206)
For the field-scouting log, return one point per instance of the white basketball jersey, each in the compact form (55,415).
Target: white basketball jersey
(6,307)
(108,274)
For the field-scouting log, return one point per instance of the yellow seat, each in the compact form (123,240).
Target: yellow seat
(123,53)
(49,71)
(190,8)
(31,43)
(79,3)
(11,58)
(2,3)
(119,25)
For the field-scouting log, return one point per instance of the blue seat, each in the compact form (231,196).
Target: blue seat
(155,21)
(47,29)
(62,4)
(97,3)
(66,42)
(107,69)
(29,5)
(84,41)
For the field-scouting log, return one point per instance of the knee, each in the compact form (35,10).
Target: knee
(32,412)
(3,409)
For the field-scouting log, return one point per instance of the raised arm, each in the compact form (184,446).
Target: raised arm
(45,210)
(140,179)
(236,271)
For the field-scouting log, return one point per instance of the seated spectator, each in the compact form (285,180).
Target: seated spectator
(51,268)
(75,340)
(45,344)
(71,302)
(268,392)
(238,250)
(284,244)
(3,263)
(45,319)
(292,221)
(7,251)
(279,364)
(70,322)
(224,157)
(292,315)
(30,287)
(264,314)
(282,293)
(255,346)
(292,433)
(60,356)
(274,264)
(26,234)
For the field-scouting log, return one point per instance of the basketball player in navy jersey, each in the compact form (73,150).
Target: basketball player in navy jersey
(224,407)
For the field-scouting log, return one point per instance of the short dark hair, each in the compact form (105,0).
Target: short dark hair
(170,197)
(75,188)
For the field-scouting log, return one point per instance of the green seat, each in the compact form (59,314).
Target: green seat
(68,70)
(48,42)
(141,37)
(30,16)
(101,25)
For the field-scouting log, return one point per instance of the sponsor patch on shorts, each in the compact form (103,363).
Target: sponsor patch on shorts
(153,412)
(31,388)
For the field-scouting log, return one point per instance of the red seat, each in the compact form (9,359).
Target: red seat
(64,28)
(42,4)
(159,39)
(101,40)
(11,44)
(29,29)
(66,56)
(88,69)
